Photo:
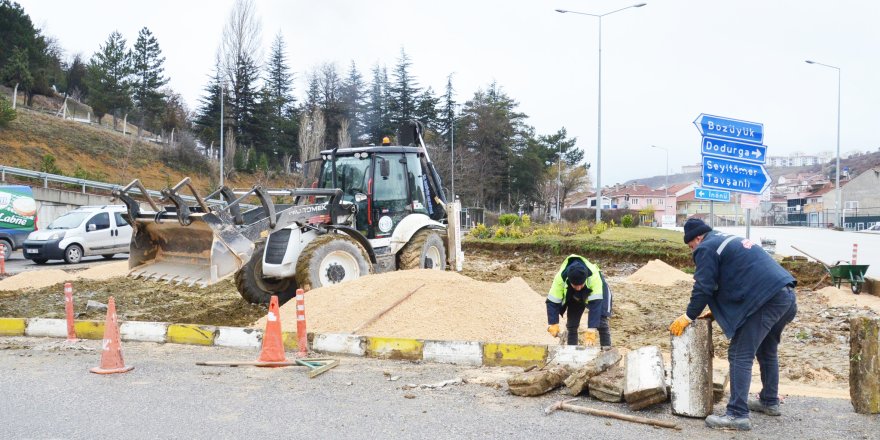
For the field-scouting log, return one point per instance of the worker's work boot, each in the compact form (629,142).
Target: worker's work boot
(758,406)
(729,422)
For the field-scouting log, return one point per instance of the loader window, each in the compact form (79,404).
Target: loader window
(416,187)
(352,175)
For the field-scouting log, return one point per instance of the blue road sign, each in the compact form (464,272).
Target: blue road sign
(733,150)
(734,175)
(727,128)
(715,195)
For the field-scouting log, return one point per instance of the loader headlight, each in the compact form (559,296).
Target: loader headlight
(360,197)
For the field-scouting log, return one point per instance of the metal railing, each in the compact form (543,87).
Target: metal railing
(83,183)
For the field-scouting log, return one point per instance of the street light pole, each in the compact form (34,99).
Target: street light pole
(599,129)
(222,117)
(837,195)
(666,185)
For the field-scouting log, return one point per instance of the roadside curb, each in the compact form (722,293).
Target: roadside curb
(473,353)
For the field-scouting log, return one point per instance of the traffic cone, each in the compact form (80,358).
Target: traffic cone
(111,354)
(273,345)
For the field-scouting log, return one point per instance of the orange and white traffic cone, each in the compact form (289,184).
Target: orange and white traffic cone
(273,345)
(68,309)
(302,336)
(111,349)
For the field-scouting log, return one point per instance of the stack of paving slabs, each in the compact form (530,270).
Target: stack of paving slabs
(577,382)
(645,378)
(535,383)
(608,386)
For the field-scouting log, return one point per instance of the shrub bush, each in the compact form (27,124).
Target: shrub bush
(508,219)
(526,220)
(627,221)
(480,231)
(500,232)
(600,228)
(7,114)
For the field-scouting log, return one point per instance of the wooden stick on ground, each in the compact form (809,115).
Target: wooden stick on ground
(386,310)
(564,405)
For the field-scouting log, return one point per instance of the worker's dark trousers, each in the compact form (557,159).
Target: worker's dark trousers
(575,312)
(759,337)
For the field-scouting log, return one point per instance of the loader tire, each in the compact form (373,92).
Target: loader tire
(425,250)
(331,259)
(258,290)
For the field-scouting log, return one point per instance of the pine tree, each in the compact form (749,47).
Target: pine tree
(353,104)
(281,123)
(109,78)
(426,110)
(330,101)
(447,114)
(244,101)
(403,92)
(148,78)
(376,114)
(207,122)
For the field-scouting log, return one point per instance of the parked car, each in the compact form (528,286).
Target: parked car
(874,229)
(83,232)
(18,216)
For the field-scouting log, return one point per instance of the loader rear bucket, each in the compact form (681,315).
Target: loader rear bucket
(203,253)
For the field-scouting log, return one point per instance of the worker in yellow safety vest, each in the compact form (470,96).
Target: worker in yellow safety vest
(579,285)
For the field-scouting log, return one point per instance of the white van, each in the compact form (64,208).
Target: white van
(85,231)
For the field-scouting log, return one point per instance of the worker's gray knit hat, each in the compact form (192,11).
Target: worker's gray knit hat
(694,228)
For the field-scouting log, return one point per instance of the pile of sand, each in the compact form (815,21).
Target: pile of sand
(844,297)
(658,273)
(447,306)
(36,279)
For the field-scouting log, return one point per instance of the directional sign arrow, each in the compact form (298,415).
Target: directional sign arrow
(729,149)
(728,128)
(734,175)
(716,195)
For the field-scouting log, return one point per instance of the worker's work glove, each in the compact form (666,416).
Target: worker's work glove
(553,330)
(590,337)
(706,315)
(677,327)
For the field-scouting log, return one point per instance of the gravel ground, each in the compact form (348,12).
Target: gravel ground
(49,393)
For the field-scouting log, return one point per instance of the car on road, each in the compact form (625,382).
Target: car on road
(873,229)
(82,232)
(18,216)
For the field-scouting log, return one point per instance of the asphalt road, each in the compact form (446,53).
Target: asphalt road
(17,263)
(49,393)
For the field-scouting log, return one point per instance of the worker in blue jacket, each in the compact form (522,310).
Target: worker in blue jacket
(752,298)
(579,285)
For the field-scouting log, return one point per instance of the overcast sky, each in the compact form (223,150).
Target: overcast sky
(662,64)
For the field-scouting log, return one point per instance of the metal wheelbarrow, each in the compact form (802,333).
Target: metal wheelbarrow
(854,274)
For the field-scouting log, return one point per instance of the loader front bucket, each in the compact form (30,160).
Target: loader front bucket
(204,252)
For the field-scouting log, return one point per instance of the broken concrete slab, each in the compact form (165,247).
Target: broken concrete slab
(644,383)
(608,385)
(864,365)
(577,381)
(535,383)
(692,370)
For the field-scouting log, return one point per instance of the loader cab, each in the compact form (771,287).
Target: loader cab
(385,183)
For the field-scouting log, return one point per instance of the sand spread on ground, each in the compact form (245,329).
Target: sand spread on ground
(658,273)
(447,306)
(35,279)
(844,297)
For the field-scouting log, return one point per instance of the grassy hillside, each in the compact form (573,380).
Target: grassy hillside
(100,153)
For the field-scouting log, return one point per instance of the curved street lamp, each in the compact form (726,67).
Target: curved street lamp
(837,195)
(599,131)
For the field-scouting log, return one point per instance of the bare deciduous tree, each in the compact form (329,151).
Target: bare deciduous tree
(229,147)
(344,135)
(242,37)
(311,134)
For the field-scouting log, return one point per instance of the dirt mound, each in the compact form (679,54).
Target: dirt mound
(658,273)
(446,306)
(48,277)
(844,297)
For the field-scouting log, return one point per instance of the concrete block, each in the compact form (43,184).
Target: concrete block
(692,370)
(192,334)
(719,383)
(574,356)
(516,355)
(143,331)
(340,344)
(535,383)
(864,365)
(43,327)
(395,348)
(608,386)
(644,383)
(872,286)
(238,337)
(12,326)
(577,382)
(453,352)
